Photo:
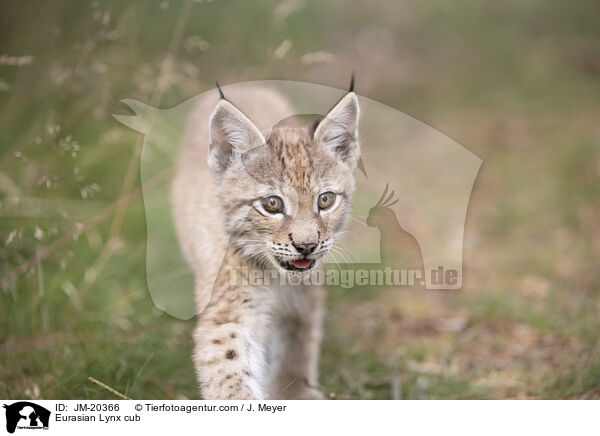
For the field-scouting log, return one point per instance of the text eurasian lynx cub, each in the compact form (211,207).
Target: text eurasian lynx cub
(276,199)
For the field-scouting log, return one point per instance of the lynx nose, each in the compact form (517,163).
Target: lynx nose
(305,247)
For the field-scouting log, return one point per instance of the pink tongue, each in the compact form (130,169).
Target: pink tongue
(301,263)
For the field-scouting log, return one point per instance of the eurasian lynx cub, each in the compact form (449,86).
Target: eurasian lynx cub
(277,204)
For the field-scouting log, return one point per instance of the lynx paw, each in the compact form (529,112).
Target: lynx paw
(309,393)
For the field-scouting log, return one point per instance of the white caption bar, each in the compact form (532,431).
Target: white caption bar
(299,417)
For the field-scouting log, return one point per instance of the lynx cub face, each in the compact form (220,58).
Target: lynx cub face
(284,199)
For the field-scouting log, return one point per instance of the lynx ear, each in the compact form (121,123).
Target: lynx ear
(230,132)
(339,129)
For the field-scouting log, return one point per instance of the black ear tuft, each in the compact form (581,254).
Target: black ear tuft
(351,83)
(221,91)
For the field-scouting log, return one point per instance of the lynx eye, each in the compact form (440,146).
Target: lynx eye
(272,204)
(326,200)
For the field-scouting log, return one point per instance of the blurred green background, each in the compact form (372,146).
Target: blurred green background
(518,83)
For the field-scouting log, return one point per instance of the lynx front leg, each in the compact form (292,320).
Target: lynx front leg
(298,377)
(228,362)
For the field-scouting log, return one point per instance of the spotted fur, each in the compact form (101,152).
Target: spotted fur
(256,342)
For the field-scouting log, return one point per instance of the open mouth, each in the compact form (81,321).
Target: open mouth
(297,265)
